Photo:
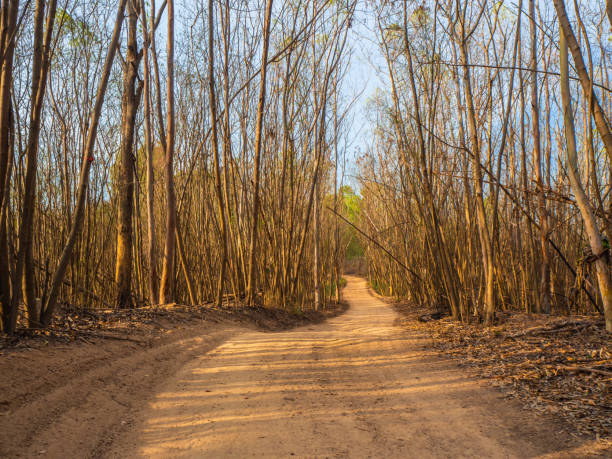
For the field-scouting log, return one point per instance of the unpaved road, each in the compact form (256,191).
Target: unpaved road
(355,386)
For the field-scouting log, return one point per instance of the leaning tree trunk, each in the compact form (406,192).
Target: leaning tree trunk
(79,214)
(588,216)
(583,75)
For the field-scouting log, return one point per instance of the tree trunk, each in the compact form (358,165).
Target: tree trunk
(151,247)
(8,20)
(129,108)
(215,146)
(40,69)
(588,216)
(79,213)
(481,216)
(257,159)
(587,85)
(544,303)
(166,293)
(316,258)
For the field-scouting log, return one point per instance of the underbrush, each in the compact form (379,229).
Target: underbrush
(556,365)
(142,324)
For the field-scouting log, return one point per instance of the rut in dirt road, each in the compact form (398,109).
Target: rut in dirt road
(356,386)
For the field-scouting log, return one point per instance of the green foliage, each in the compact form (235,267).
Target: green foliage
(76,30)
(379,286)
(351,203)
(330,287)
(349,206)
(421,16)
(322,39)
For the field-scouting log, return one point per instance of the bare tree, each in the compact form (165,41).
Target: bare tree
(257,160)
(166,293)
(50,302)
(129,108)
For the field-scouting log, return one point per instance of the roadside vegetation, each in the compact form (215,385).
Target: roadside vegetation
(154,153)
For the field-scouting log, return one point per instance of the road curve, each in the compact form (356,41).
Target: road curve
(355,386)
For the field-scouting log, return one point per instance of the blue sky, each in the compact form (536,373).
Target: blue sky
(365,76)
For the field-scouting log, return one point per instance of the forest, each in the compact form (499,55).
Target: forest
(493,145)
(225,159)
(119,189)
(484,187)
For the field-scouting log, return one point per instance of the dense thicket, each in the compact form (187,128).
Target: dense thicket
(489,174)
(192,152)
(169,152)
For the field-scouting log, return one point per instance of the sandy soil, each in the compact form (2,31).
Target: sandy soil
(71,401)
(355,386)
(70,390)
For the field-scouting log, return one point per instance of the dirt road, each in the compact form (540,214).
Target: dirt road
(355,386)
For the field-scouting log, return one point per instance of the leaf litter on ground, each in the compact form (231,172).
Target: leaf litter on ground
(556,365)
(143,324)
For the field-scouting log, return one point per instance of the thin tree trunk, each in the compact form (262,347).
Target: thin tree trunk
(166,293)
(79,213)
(544,303)
(590,223)
(257,159)
(481,216)
(316,263)
(40,70)
(183,259)
(129,108)
(151,247)
(215,146)
(601,121)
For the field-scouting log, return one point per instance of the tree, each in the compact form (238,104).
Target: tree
(594,235)
(8,18)
(166,293)
(215,146)
(129,108)
(50,302)
(257,160)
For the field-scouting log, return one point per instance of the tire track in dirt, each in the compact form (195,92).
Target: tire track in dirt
(92,391)
(355,386)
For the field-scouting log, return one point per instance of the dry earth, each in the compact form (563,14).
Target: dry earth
(355,386)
